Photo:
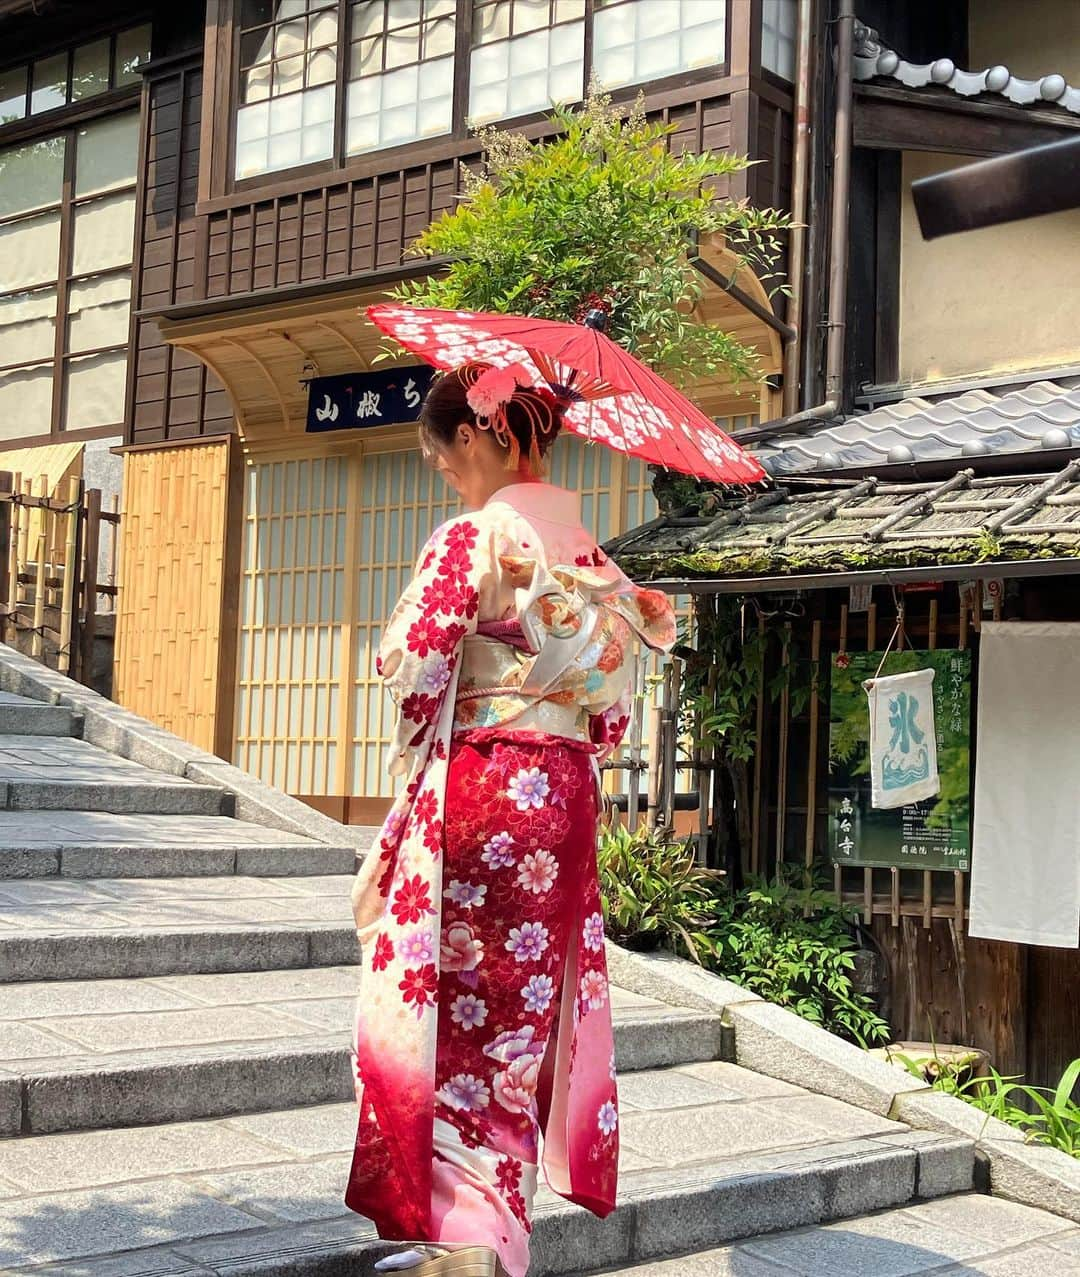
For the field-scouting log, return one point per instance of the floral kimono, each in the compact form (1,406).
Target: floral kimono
(483,1019)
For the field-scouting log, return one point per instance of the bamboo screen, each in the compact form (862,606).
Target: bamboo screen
(171,587)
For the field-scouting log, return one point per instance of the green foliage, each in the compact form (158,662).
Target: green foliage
(790,942)
(1050,1117)
(654,894)
(598,216)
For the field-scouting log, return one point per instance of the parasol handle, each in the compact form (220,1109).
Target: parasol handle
(597,319)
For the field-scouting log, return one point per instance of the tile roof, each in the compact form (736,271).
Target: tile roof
(874,59)
(807,528)
(979,423)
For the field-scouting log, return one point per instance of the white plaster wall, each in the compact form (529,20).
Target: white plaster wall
(1001,298)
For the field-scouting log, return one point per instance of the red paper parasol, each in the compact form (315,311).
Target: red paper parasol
(613,398)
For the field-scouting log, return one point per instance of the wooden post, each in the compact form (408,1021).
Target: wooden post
(68,596)
(655,719)
(637,714)
(782,760)
(38,642)
(757,805)
(91,553)
(811,771)
(11,628)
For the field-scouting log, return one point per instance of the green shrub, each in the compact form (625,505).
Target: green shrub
(791,944)
(655,895)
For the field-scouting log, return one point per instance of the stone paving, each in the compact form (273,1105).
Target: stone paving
(176,990)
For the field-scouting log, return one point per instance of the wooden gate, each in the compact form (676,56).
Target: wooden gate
(51,591)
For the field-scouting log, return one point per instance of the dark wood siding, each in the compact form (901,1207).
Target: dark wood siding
(174,396)
(351,228)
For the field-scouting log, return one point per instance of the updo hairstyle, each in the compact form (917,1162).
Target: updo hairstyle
(527,424)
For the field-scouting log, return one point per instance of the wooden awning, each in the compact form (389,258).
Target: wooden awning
(265,352)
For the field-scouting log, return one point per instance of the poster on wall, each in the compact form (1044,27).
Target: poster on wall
(932,834)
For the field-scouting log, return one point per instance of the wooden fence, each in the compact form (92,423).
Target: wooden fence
(56,549)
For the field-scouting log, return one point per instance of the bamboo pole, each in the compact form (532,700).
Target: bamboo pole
(71,576)
(655,719)
(38,642)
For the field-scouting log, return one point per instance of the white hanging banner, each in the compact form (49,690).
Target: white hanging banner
(903,740)
(1025,855)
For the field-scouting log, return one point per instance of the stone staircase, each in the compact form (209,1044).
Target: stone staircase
(176,987)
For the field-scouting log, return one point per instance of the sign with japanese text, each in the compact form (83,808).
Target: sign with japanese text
(358,400)
(934,834)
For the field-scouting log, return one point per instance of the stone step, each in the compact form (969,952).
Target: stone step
(957,1237)
(84,1054)
(263,1193)
(53,773)
(22,717)
(84,844)
(104,928)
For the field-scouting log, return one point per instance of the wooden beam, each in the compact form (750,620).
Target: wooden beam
(905,120)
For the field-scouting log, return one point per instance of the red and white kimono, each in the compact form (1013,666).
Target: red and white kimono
(483,1019)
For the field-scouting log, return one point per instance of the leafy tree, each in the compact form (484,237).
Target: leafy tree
(598,217)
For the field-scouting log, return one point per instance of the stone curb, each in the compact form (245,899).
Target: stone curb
(118,730)
(776,1042)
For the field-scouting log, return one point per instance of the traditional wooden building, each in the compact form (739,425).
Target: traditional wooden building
(924,486)
(226,186)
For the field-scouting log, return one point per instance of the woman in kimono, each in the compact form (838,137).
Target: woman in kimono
(483,1020)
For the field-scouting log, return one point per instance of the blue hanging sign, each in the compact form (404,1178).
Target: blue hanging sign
(358,400)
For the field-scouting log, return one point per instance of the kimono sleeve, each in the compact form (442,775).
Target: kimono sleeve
(421,644)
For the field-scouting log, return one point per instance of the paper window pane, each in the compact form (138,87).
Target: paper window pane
(50,84)
(90,70)
(284,149)
(13,94)
(106,154)
(103,234)
(26,402)
(33,176)
(290,9)
(492,22)
(778,37)
(439,38)
(28,326)
(316,143)
(400,88)
(402,47)
(288,76)
(318,107)
(442,8)
(252,123)
(255,84)
(322,30)
(367,18)
(649,39)
(569,10)
(98,312)
(530,15)
(132,50)
(29,253)
(290,38)
(94,391)
(322,67)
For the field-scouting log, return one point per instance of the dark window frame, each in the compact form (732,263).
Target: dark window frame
(49,124)
(222,92)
